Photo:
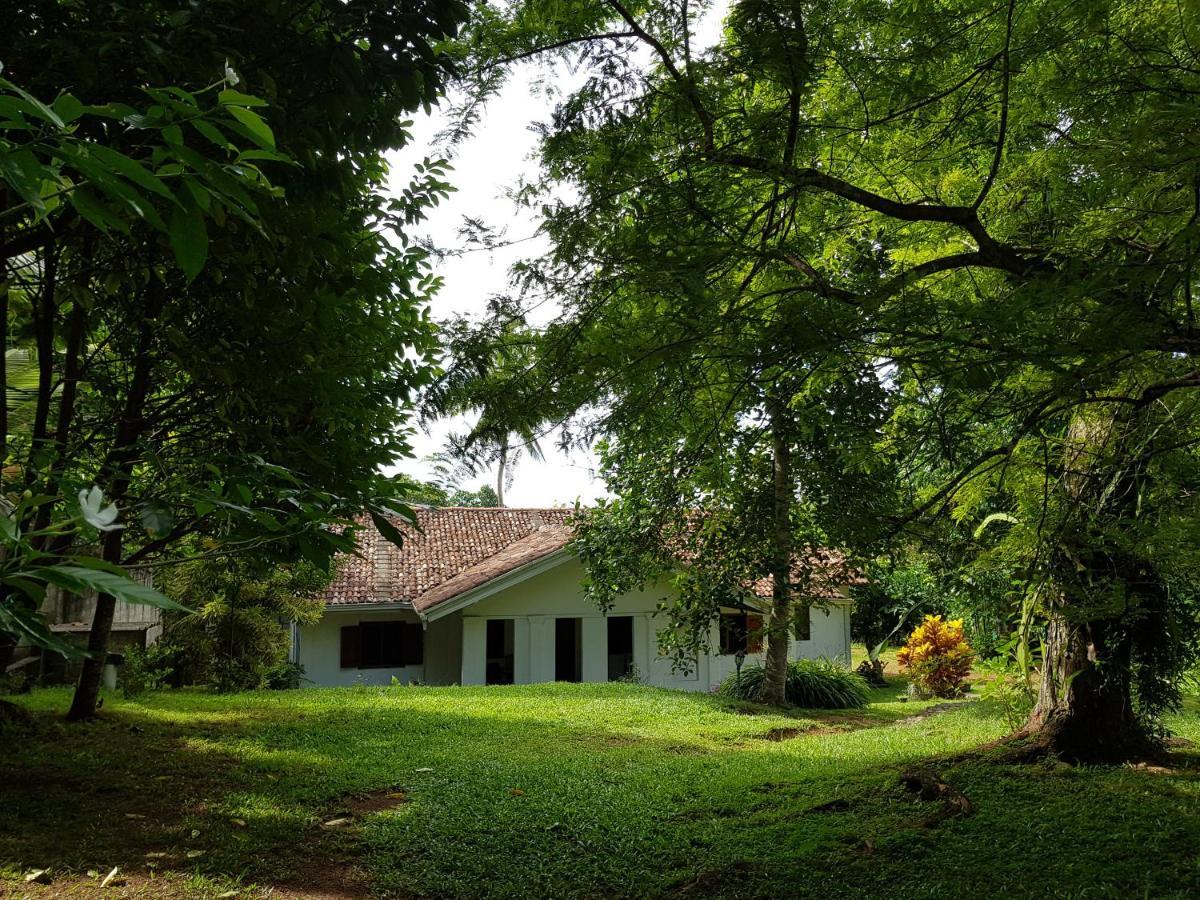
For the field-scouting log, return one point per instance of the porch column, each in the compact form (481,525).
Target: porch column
(594,640)
(541,649)
(643,645)
(521,650)
(474,650)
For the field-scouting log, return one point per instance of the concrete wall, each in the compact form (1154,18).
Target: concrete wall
(455,646)
(319,650)
(535,603)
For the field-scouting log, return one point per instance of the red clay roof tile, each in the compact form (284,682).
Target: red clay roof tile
(457,549)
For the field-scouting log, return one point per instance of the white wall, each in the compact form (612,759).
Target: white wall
(320,650)
(455,645)
(534,604)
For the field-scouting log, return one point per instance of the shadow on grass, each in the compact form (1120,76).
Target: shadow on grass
(237,787)
(549,791)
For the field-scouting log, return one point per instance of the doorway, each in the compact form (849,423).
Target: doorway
(620,647)
(499,669)
(568,647)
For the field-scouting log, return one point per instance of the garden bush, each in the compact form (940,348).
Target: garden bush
(811,683)
(937,657)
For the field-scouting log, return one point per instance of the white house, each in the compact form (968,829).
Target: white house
(494,596)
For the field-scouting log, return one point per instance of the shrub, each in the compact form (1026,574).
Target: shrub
(811,683)
(147,669)
(937,657)
(283,676)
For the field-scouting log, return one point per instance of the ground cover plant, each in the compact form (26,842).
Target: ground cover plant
(812,683)
(571,790)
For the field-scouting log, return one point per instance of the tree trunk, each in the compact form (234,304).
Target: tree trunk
(501,472)
(87,691)
(1084,711)
(118,466)
(774,687)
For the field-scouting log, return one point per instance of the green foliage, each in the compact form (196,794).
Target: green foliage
(147,669)
(483,496)
(284,676)
(27,570)
(1011,688)
(220,317)
(236,639)
(811,684)
(938,234)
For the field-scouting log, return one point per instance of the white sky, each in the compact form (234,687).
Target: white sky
(493,160)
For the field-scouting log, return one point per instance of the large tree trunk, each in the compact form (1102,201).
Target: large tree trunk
(1084,711)
(779,624)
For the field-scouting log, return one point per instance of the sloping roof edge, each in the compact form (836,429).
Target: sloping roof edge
(438,609)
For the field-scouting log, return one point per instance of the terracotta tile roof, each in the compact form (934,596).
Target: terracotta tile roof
(457,549)
(822,572)
(454,550)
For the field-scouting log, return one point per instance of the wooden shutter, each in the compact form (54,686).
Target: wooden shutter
(754,638)
(351,647)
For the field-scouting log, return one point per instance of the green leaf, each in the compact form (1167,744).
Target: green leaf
(27,624)
(237,98)
(131,170)
(36,107)
(258,130)
(156,519)
(189,240)
(68,107)
(92,210)
(212,132)
(24,174)
(995,517)
(78,578)
(389,531)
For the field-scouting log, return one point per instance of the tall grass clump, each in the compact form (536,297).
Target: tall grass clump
(811,683)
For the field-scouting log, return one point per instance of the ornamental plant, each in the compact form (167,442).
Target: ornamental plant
(937,657)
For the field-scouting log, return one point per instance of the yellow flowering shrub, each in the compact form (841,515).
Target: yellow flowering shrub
(937,657)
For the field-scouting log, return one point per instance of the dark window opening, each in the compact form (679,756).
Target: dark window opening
(802,625)
(568,646)
(499,667)
(620,646)
(382,645)
(740,633)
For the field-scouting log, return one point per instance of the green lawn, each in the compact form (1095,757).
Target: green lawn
(568,791)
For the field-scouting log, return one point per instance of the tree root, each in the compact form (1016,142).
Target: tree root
(930,788)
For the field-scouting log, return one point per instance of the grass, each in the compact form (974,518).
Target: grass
(571,791)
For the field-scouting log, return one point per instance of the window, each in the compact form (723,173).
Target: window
(740,633)
(382,645)
(802,623)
